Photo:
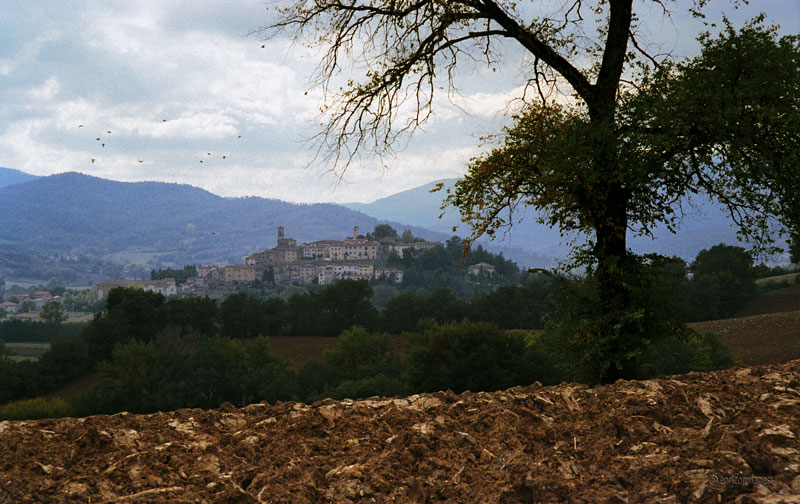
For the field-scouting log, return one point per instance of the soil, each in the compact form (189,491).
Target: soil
(780,300)
(760,339)
(301,349)
(727,436)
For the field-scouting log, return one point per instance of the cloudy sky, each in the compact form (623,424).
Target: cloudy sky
(165,85)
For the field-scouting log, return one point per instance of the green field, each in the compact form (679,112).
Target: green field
(27,351)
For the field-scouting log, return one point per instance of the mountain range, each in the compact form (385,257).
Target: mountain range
(10,177)
(704,225)
(165,224)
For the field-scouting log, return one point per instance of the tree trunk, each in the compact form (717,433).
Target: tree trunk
(610,220)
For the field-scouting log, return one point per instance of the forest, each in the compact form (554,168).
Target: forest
(155,353)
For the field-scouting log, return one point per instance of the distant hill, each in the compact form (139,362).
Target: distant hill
(414,206)
(10,176)
(171,224)
(705,227)
(72,212)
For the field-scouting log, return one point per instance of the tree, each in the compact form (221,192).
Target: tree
(723,281)
(794,247)
(639,135)
(345,304)
(53,312)
(407,236)
(57,290)
(383,231)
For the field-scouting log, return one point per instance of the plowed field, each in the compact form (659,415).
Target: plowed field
(728,436)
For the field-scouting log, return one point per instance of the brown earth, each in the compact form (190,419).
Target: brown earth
(759,339)
(727,436)
(301,349)
(781,300)
(765,331)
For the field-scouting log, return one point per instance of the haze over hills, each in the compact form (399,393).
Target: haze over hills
(160,223)
(9,176)
(706,225)
(163,224)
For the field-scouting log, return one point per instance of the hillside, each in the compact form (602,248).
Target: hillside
(11,177)
(158,223)
(703,227)
(681,439)
(764,331)
(72,212)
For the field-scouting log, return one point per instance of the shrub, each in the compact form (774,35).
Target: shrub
(30,409)
(685,353)
(467,356)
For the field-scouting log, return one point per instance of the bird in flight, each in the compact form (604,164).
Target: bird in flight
(92,160)
(80,125)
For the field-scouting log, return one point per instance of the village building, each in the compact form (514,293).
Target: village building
(241,273)
(476,269)
(9,307)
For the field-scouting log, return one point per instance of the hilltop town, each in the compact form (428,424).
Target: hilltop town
(319,262)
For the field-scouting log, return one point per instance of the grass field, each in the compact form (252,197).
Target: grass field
(789,278)
(28,351)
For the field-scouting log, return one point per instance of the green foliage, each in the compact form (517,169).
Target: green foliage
(57,290)
(723,281)
(31,409)
(345,304)
(403,313)
(82,301)
(66,361)
(31,331)
(242,316)
(513,307)
(466,356)
(131,314)
(382,231)
(684,353)
(407,236)
(180,275)
(794,246)
(195,313)
(595,346)
(20,379)
(53,312)
(183,370)
(361,364)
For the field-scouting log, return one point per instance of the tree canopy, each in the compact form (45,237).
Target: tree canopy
(636,135)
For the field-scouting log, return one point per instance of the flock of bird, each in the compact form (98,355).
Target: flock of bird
(108,132)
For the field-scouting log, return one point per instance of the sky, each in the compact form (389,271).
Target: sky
(184,91)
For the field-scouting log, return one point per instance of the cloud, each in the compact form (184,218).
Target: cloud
(46,91)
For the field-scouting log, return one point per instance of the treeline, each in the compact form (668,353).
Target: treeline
(180,275)
(27,331)
(180,368)
(161,354)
